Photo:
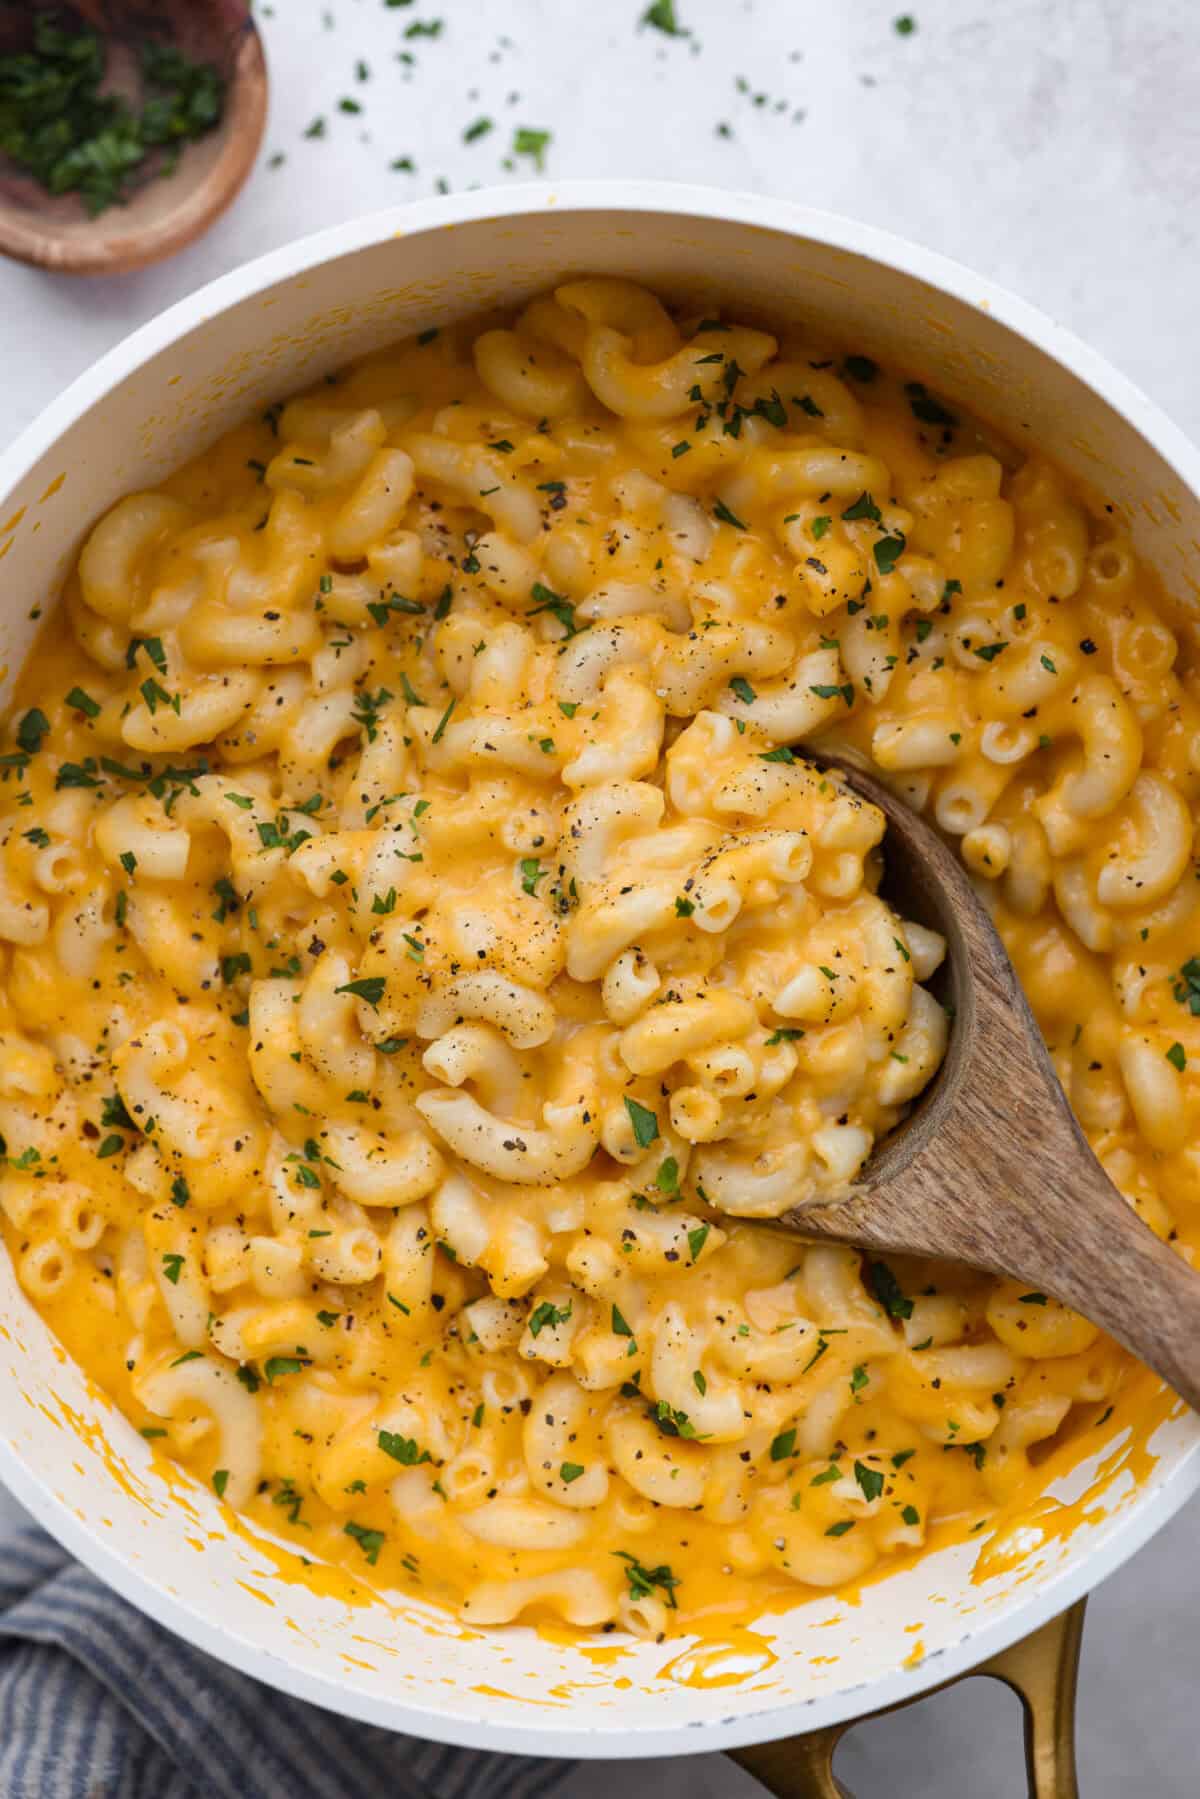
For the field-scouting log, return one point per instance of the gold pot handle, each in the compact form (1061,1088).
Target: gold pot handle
(1042,1670)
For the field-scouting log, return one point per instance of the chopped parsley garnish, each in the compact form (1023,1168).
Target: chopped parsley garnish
(370,989)
(887,1291)
(403,1449)
(721,511)
(925,407)
(31,729)
(277,1365)
(888,551)
(869,1479)
(1186,988)
(863,507)
(643,1581)
(547,1315)
(369,1541)
(546,600)
(644,1122)
(1177,1057)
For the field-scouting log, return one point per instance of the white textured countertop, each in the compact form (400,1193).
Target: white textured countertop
(1053,145)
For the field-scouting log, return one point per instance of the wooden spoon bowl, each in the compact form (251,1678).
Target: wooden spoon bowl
(55,231)
(991,1167)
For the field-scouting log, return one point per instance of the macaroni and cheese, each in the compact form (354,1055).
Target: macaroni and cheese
(427,961)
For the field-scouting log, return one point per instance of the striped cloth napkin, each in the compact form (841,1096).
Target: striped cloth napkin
(96,1702)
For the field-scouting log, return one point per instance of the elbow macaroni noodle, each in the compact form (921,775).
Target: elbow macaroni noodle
(424,956)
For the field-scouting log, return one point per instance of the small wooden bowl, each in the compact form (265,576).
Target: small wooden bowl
(167,212)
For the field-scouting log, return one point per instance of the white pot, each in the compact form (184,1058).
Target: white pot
(250,338)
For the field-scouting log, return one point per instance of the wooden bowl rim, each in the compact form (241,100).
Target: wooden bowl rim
(113,254)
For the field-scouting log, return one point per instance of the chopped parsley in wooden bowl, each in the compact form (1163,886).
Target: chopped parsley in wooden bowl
(123,133)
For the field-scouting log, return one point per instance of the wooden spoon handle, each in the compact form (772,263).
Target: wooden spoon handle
(1121,1276)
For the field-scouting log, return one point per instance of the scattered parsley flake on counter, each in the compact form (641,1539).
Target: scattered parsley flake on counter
(661,15)
(528,141)
(905,25)
(479,129)
(644,1122)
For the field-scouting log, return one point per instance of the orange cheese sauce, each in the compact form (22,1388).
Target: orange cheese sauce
(398,781)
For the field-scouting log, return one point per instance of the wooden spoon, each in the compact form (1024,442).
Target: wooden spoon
(165,213)
(991,1168)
